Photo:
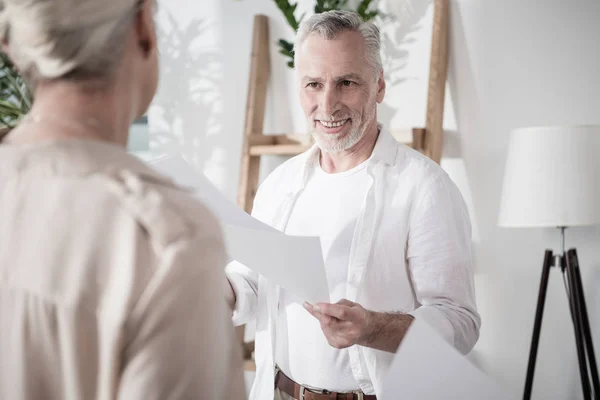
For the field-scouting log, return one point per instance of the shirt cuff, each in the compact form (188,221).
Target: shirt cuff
(437,320)
(241,311)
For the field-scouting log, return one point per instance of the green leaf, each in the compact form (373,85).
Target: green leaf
(319,6)
(15,97)
(286,45)
(288,9)
(287,49)
(363,10)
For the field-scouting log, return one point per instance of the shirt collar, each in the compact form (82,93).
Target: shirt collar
(385,150)
(386,147)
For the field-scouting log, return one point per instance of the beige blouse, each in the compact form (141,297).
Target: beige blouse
(111,281)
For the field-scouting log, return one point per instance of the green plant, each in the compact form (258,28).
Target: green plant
(364,10)
(15,97)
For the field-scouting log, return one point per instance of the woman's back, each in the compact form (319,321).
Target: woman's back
(110,280)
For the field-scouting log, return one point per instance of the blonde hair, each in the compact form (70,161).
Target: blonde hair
(74,39)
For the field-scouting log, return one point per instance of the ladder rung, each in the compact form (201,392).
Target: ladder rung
(279,149)
(281,138)
(286,149)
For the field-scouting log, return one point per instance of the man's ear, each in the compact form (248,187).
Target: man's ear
(380,88)
(145,29)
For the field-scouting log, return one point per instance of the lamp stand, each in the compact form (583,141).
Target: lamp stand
(569,265)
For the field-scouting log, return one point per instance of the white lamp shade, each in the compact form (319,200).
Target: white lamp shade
(552,177)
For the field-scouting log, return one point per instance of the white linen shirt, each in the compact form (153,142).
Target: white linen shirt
(411,253)
(111,281)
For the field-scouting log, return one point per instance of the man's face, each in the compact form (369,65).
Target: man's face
(339,90)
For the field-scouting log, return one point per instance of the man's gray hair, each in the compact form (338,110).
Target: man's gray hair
(72,39)
(331,23)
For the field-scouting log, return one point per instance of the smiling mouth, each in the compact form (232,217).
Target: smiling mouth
(333,124)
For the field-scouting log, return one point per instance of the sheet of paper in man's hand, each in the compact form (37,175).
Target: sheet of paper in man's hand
(293,262)
(427,367)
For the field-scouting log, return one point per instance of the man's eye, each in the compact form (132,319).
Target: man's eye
(312,85)
(347,83)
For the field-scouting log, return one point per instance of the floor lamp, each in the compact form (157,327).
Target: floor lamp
(552,179)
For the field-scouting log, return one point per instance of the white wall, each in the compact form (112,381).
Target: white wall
(519,63)
(513,63)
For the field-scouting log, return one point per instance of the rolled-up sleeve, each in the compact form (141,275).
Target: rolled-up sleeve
(441,265)
(245,285)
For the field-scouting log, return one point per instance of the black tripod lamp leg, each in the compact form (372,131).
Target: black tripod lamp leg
(537,325)
(575,299)
(587,333)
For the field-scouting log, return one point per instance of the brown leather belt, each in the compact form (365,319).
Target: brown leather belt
(300,392)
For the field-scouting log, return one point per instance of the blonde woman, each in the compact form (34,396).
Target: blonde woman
(110,275)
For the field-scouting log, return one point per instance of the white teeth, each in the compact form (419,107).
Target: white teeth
(333,124)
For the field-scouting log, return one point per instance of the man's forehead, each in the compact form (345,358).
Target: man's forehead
(347,42)
(337,57)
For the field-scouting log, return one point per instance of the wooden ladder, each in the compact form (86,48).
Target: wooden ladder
(428,140)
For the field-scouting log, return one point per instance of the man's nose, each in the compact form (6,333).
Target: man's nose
(329,101)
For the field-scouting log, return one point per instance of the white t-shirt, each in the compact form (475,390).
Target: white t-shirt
(328,207)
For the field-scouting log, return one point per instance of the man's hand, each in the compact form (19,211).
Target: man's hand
(344,323)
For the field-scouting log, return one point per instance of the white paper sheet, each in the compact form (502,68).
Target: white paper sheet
(426,367)
(293,262)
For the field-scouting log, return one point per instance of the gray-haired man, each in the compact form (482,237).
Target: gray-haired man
(394,230)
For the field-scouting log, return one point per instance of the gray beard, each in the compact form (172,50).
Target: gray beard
(337,145)
(333,144)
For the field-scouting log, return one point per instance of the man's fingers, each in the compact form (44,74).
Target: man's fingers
(315,312)
(327,321)
(311,310)
(338,321)
(334,310)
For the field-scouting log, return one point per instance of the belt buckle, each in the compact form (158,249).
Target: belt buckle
(304,388)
